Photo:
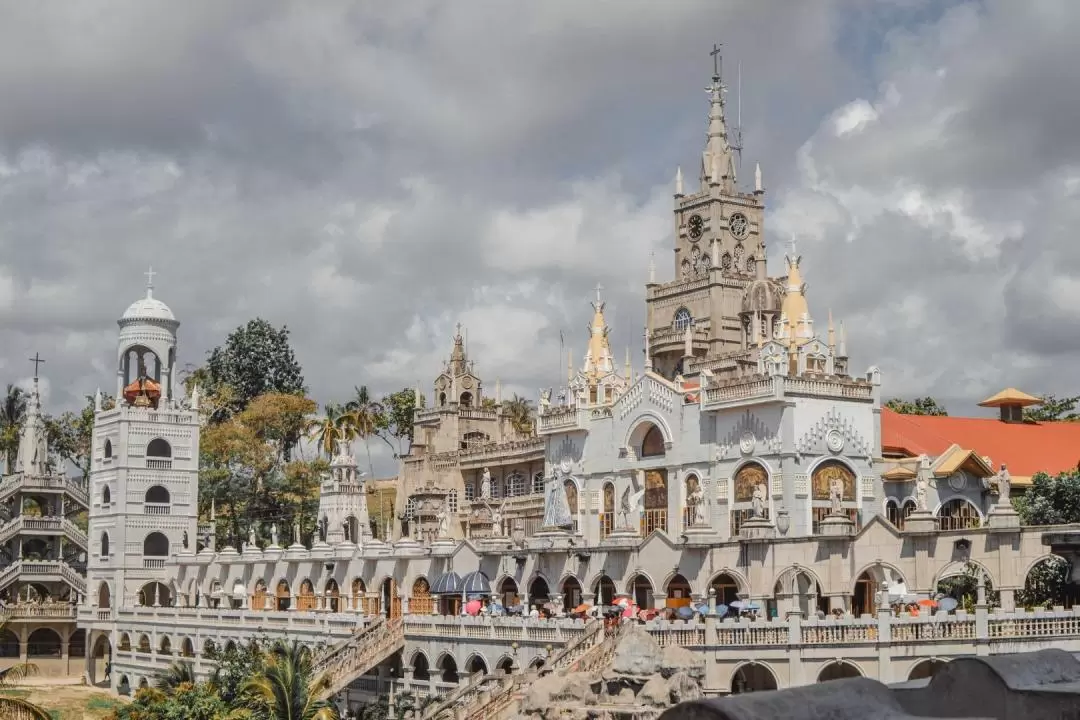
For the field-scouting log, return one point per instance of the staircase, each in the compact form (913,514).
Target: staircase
(487,697)
(368,647)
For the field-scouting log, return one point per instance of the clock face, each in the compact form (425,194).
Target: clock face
(694,226)
(740,226)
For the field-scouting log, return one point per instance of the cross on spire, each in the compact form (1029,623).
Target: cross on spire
(717,60)
(37,361)
(150,280)
(459,329)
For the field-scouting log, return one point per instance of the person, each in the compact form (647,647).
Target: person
(108,669)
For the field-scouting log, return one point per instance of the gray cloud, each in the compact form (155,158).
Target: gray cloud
(372,174)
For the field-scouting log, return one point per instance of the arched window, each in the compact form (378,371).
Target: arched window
(515,484)
(958,514)
(538,483)
(157,494)
(683,319)
(104,545)
(452,501)
(159,448)
(896,514)
(607,518)
(656,502)
(106,496)
(156,545)
(465,400)
(442,399)
(420,601)
(108,449)
(652,445)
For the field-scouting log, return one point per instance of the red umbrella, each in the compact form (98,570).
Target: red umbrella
(624,601)
(583,608)
(629,611)
(473,607)
(927,602)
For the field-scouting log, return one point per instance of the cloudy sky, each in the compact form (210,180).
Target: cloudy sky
(372,173)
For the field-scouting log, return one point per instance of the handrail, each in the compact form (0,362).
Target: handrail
(356,659)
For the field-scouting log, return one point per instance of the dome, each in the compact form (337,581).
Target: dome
(761,295)
(148,308)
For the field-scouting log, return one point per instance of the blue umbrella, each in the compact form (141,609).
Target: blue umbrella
(721,610)
(948,604)
(686,612)
(702,608)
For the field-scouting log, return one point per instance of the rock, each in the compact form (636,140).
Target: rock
(576,688)
(538,698)
(625,697)
(676,659)
(637,654)
(655,693)
(682,687)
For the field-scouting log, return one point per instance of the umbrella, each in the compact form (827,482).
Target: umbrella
(473,607)
(737,604)
(927,602)
(721,610)
(948,604)
(629,610)
(702,608)
(583,608)
(623,600)
(685,612)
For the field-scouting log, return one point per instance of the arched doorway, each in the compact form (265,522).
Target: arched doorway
(508,591)
(448,670)
(725,589)
(332,596)
(359,592)
(796,589)
(571,590)
(421,601)
(100,656)
(475,665)
(678,592)
(44,643)
(753,677)
(642,590)
(505,666)
(283,595)
(864,600)
(421,667)
(155,594)
(104,596)
(306,599)
(258,598)
(926,669)
(187,648)
(604,591)
(838,671)
(539,594)
(391,601)
(9,644)
(1047,585)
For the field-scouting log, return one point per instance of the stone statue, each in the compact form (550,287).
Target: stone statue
(251,536)
(545,398)
(695,500)
(185,540)
(921,483)
(836,494)
(556,506)
(485,484)
(444,522)
(274,535)
(758,500)
(345,530)
(630,507)
(322,528)
(1004,484)
(496,520)
(296,532)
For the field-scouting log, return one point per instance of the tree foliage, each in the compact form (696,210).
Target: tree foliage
(1053,408)
(918,406)
(12,415)
(70,435)
(1050,500)
(521,414)
(256,359)
(395,420)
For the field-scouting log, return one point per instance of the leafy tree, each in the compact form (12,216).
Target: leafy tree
(329,429)
(488,403)
(965,588)
(12,415)
(256,359)
(1047,584)
(287,688)
(364,416)
(1053,409)
(1050,500)
(395,420)
(187,701)
(70,435)
(918,406)
(235,666)
(520,412)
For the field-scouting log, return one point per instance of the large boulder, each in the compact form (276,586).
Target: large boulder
(637,654)
(677,659)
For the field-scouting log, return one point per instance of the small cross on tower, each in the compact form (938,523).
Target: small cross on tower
(150,277)
(717,60)
(37,361)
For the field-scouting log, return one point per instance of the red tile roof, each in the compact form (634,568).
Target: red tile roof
(1026,448)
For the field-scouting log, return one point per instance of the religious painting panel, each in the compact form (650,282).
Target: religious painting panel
(749,477)
(826,474)
(656,490)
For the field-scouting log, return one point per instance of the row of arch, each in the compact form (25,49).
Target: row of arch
(756,676)
(42,643)
(958,513)
(156,448)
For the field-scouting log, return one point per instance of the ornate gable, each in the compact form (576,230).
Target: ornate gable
(833,433)
(651,390)
(749,435)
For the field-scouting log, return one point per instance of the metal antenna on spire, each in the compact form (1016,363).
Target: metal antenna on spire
(736,133)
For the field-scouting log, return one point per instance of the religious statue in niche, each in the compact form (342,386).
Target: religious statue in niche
(836,494)
(274,535)
(322,528)
(485,484)
(556,506)
(922,481)
(695,501)
(824,477)
(630,507)
(1004,485)
(758,501)
(443,518)
(747,479)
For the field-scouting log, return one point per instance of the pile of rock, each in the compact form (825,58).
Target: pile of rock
(642,680)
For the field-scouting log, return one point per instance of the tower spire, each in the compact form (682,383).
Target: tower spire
(33,452)
(717,161)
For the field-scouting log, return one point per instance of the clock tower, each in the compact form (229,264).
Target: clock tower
(697,320)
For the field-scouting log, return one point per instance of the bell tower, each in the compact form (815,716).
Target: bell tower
(719,241)
(144,468)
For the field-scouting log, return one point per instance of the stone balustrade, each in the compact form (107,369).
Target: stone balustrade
(778,387)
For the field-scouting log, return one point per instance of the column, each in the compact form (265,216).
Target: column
(659,600)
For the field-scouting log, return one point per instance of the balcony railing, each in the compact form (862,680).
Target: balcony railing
(153,563)
(156,508)
(159,463)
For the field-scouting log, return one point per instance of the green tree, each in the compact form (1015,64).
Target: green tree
(12,415)
(328,429)
(70,434)
(395,420)
(520,412)
(286,688)
(177,674)
(1050,500)
(256,359)
(1053,409)
(918,406)
(364,416)
(188,701)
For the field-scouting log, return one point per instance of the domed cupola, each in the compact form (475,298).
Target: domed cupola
(146,352)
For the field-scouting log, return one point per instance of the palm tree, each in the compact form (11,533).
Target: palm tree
(286,689)
(176,675)
(364,415)
(12,415)
(326,430)
(520,412)
(14,707)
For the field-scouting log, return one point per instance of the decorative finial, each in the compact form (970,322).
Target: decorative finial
(757,179)
(678,182)
(457,334)
(37,361)
(717,60)
(599,287)
(652,267)
(150,282)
